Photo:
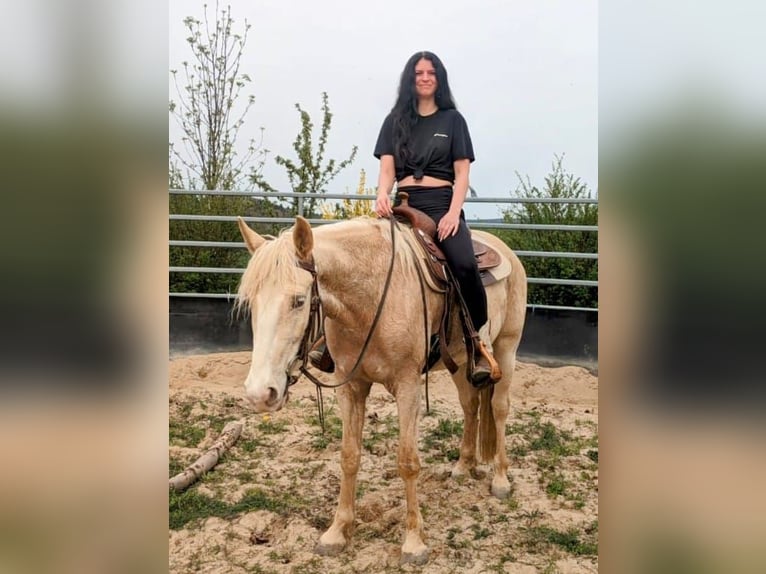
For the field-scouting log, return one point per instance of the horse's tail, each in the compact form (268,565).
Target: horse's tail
(487,433)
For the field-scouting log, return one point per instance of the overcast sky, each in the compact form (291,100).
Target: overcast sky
(524,74)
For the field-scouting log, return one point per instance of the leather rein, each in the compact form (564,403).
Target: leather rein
(314,329)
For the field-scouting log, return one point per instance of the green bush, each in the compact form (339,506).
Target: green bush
(558,184)
(213,231)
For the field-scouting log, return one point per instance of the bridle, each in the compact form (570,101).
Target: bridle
(314,329)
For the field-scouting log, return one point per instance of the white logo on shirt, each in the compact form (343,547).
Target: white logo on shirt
(438,135)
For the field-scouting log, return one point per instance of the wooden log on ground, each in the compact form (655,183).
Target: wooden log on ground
(209,459)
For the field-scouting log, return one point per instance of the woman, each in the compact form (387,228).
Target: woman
(424,146)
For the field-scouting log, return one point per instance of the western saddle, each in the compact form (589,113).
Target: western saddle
(424,230)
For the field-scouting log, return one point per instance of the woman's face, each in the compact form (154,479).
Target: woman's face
(425,79)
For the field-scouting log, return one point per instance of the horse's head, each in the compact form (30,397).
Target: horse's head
(278,294)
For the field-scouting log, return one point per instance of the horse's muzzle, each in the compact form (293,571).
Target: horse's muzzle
(267,400)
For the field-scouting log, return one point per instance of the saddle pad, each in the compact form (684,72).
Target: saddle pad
(493,274)
(421,259)
(488,276)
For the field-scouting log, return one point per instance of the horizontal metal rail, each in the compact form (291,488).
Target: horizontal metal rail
(473,224)
(228,244)
(540,226)
(369,197)
(556,254)
(204,295)
(534,306)
(301,197)
(241,245)
(239,271)
(234,296)
(222,270)
(573,282)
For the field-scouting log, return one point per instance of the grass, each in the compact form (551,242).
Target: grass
(176,465)
(191,505)
(544,436)
(332,434)
(556,485)
(269,426)
(445,429)
(480,531)
(512,503)
(280,557)
(453,541)
(183,433)
(251,445)
(500,565)
(188,429)
(550,445)
(444,438)
(379,431)
(565,462)
(540,537)
(313,566)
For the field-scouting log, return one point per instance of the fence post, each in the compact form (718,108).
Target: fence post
(300,206)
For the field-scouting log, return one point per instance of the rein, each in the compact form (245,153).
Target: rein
(314,327)
(421,280)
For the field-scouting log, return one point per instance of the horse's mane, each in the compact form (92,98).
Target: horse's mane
(275,259)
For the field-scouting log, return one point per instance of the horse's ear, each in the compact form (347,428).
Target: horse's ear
(303,238)
(252,239)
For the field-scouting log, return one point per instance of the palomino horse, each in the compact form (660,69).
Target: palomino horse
(351,261)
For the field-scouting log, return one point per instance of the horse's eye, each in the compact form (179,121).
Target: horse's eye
(297,302)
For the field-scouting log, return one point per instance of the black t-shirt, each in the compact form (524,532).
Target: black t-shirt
(435,143)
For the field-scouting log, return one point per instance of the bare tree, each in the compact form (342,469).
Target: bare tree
(206,108)
(210,108)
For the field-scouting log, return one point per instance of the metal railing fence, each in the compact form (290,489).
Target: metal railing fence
(301,197)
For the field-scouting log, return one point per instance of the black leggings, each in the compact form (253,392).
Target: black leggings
(458,250)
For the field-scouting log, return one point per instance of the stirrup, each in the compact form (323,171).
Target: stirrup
(320,358)
(486,371)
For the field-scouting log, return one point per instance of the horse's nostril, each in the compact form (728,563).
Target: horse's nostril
(273,393)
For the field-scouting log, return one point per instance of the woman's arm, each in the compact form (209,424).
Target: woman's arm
(385,185)
(449,224)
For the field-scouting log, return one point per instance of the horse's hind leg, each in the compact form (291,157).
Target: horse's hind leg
(505,353)
(414,551)
(469,400)
(352,399)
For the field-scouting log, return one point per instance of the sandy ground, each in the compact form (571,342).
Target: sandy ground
(285,456)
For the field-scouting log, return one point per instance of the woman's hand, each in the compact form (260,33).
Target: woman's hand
(383,205)
(448,225)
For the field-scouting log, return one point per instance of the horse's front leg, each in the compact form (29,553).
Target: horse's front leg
(352,399)
(414,551)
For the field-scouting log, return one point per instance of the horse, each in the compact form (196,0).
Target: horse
(346,265)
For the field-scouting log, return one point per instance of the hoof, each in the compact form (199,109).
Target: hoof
(459,472)
(328,549)
(478,474)
(501,491)
(462,469)
(417,558)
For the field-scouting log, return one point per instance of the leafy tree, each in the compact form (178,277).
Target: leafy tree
(306,173)
(558,184)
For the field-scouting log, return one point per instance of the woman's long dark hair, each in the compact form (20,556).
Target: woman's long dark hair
(405,110)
